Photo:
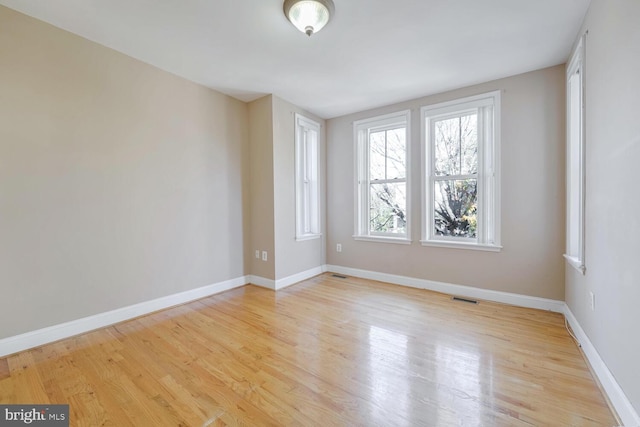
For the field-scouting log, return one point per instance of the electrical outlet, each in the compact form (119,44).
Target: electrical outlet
(264,255)
(339,247)
(257,254)
(592,300)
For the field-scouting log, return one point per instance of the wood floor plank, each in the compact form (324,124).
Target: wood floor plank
(4,369)
(29,386)
(327,351)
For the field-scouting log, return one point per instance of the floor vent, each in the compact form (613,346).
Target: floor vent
(470,301)
(339,276)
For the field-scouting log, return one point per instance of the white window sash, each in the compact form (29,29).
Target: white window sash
(362,131)
(575,179)
(487,108)
(307,134)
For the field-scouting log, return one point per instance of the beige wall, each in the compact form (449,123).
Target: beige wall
(612,202)
(119,183)
(262,190)
(273,221)
(532,196)
(293,256)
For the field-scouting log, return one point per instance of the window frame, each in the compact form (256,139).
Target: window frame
(575,257)
(307,185)
(488,175)
(362,172)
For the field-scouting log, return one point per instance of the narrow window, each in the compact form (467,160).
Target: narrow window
(461,141)
(307,191)
(382,146)
(575,159)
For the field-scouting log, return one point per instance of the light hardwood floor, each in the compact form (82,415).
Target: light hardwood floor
(326,352)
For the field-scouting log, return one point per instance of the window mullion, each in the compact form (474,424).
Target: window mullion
(431,196)
(460,143)
(386,154)
(481,232)
(387,181)
(455,177)
(366,196)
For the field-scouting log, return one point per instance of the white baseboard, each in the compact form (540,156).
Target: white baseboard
(53,333)
(298,277)
(276,285)
(459,290)
(618,398)
(262,282)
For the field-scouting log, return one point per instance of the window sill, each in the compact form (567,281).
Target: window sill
(575,263)
(380,239)
(461,245)
(308,237)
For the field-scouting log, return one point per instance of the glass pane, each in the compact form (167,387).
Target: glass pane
(469,143)
(396,153)
(456,206)
(377,154)
(388,208)
(573,169)
(456,145)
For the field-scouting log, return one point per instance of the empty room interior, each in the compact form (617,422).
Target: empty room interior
(332,213)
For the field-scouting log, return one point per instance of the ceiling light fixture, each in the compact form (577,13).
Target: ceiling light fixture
(308,16)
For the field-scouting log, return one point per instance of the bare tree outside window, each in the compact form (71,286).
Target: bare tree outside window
(382,170)
(387,177)
(461,143)
(456,176)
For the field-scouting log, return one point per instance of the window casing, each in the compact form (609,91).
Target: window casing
(575,159)
(307,135)
(461,164)
(382,171)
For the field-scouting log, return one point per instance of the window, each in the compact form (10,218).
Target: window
(575,159)
(461,173)
(307,191)
(382,147)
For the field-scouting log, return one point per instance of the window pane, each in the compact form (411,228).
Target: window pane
(573,168)
(396,153)
(388,208)
(456,208)
(377,153)
(456,145)
(387,154)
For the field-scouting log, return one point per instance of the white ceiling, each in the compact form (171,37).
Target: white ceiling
(372,53)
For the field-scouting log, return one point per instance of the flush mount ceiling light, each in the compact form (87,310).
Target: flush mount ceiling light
(309,16)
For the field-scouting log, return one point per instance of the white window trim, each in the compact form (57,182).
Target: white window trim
(302,124)
(361,214)
(381,239)
(483,243)
(577,64)
(461,245)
